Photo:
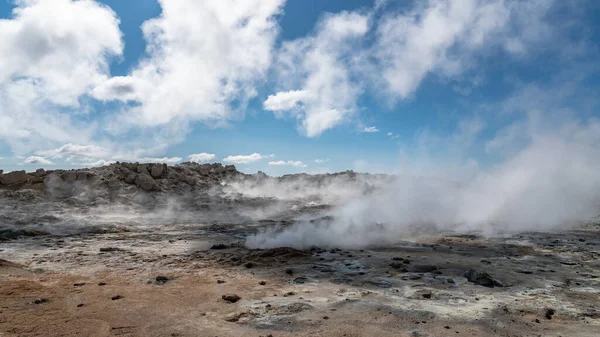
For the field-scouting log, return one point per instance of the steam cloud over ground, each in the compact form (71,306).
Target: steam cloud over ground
(552,182)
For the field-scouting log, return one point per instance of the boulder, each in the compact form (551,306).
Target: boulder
(146,182)
(14,178)
(40,172)
(158,171)
(70,176)
(481,278)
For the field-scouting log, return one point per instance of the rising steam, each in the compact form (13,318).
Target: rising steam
(550,181)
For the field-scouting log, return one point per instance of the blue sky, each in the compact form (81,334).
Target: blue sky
(293,86)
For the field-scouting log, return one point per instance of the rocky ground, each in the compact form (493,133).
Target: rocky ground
(104,256)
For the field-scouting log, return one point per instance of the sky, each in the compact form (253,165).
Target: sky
(295,86)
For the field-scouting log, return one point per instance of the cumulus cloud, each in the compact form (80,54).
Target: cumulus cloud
(246,159)
(315,70)
(321,161)
(371,129)
(37,160)
(201,157)
(205,61)
(296,163)
(329,71)
(285,100)
(53,53)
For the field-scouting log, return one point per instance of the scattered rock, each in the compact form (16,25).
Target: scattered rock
(234,316)
(426,295)
(146,182)
(262,283)
(40,300)
(249,265)
(162,279)
(101,284)
(231,298)
(481,278)
(219,246)
(78,284)
(116,297)
(110,249)
(80,305)
(325,317)
(422,268)
(550,313)
(220,281)
(289,271)
(14,178)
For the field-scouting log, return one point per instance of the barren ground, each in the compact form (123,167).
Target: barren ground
(415,288)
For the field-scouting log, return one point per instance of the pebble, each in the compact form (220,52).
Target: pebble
(231,298)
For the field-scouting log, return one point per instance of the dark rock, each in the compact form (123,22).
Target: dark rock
(231,298)
(325,317)
(101,284)
(110,249)
(158,171)
(481,278)
(40,300)
(78,284)
(422,268)
(249,265)
(289,271)
(146,182)
(550,313)
(262,283)
(219,246)
(116,297)
(162,279)
(80,305)
(426,295)
(220,281)
(14,178)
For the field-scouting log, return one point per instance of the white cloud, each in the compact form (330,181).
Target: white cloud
(53,53)
(285,100)
(205,60)
(242,159)
(321,161)
(37,160)
(296,163)
(201,157)
(371,129)
(318,65)
(74,150)
(392,135)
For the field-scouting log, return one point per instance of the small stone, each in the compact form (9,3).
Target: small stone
(234,316)
(101,284)
(249,265)
(78,284)
(262,283)
(231,298)
(162,279)
(220,281)
(80,305)
(550,313)
(447,327)
(289,271)
(427,295)
(116,297)
(219,246)
(537,320)
(325,317)
(40,300)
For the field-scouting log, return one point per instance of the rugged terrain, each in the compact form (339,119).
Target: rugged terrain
(155,250)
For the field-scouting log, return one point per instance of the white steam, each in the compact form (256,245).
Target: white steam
(549,180)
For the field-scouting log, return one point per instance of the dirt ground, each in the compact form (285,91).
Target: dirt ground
(167,281)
